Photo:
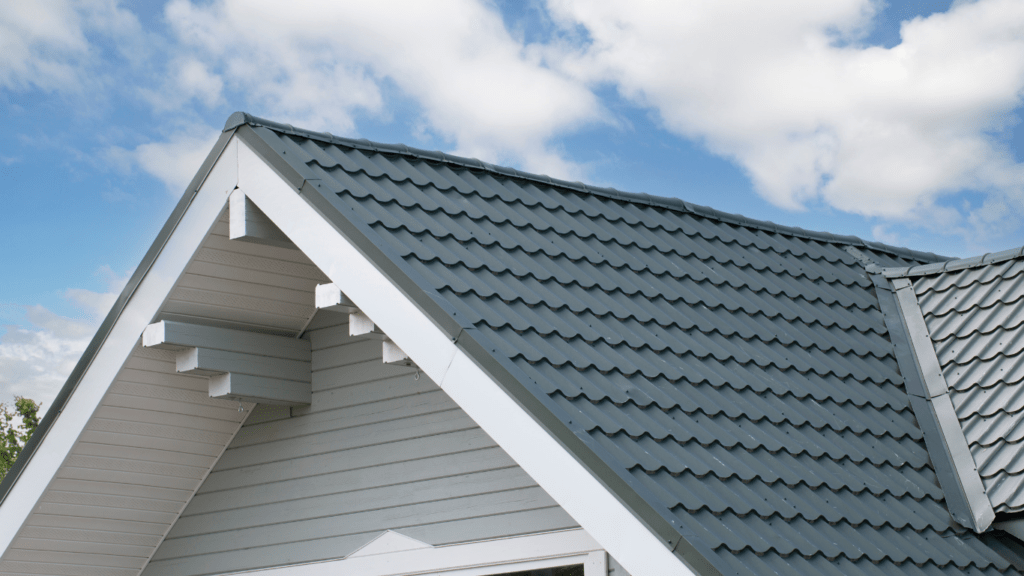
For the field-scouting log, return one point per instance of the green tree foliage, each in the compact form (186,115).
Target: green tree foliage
(14,434)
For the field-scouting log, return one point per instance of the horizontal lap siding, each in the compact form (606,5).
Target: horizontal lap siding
(378,449)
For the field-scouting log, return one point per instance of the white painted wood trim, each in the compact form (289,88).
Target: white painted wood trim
(638,550)
(470,559)
(143,305)
(247,224)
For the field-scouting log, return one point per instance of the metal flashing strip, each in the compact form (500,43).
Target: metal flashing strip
(955,468)
(920,341)
(954,265)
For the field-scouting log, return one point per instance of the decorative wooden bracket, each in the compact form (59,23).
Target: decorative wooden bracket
(330,297)
(248,223)
(245,366)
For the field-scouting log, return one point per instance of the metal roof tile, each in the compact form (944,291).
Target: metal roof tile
(740,371)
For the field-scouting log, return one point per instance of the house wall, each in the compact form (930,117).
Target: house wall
(379,448)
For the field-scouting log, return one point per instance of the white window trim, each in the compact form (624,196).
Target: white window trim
(483,558)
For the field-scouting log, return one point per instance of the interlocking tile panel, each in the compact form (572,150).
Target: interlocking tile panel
(741,378)
(975,319)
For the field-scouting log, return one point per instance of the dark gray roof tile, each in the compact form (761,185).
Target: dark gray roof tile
(737,374)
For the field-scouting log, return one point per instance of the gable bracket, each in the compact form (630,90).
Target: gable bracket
(240,365)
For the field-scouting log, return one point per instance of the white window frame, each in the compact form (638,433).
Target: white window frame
(484,558)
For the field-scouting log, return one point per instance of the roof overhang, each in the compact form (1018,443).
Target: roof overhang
(423,328)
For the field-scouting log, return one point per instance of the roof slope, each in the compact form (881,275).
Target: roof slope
(974,312)
(736,376)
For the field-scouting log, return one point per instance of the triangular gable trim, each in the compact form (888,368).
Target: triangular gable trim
(452,356)
(387,543)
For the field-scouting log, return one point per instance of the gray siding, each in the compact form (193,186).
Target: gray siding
(379,448)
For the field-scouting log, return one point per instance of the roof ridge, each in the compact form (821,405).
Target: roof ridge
(955,264)
(239,118)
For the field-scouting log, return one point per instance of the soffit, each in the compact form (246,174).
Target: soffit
(156,433)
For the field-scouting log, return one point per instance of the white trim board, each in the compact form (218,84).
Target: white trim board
(471,559)
(184,241)
(585,498)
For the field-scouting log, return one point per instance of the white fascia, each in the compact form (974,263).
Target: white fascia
(585,498)
(142,307)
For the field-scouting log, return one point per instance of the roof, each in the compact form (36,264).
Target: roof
(972,310)
(733,382)
(735,376)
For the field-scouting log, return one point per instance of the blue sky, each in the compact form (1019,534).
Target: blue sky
(897,122)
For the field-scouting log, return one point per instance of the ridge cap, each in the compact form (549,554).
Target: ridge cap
(666,202)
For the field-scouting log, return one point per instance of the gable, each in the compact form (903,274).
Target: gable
(702,393)
(381,447)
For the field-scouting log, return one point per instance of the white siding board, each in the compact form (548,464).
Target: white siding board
(251,276)
(396,518)
(186,421)
(220,412)
(397,389)
(352,480)
(347,351)
(93,547)
(253,319)
(87,487)
(379,448)
(353,501)
(80,558)
(112,501)
(101,512)
(99,525)
(234,259)
(101,475)
(196,397)
(218,241)
(163,379)
(356,416)
(52,569)
(337,440)
(402,451)
(154,442)
(98,536)
(106,428)
(145,454)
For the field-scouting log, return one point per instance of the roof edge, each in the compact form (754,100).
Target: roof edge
(954,265)
(100,337)
(469,341)
(239,118)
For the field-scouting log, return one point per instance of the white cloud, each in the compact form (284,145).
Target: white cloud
(319,64)
(786,90)
(37,356)
(173,161)
(44,44)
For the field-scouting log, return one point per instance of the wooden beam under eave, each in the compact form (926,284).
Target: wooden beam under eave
(330,297)
(246,222)
(244,387)
(392,354)
(240,365)
(359,324)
